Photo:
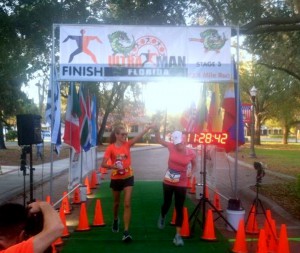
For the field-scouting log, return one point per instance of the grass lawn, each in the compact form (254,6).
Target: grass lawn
(284,159)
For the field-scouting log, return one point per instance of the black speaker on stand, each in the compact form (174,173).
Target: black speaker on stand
(29,132)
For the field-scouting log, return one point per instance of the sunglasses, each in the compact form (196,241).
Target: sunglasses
(123,134)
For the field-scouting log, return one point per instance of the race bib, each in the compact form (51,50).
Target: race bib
(172,176)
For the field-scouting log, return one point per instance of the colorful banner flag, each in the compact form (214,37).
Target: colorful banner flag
(201,114)
(94,121)
(73,112)
(230,123)
(246,109)
(56,127)
(188,118)
(85,119)
(215,116)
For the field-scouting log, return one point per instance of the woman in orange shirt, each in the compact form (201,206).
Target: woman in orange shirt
(117,158)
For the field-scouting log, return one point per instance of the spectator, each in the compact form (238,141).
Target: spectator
(14,236)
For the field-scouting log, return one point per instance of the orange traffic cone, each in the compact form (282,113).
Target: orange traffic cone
(217,202)
(87,184)
(206,192)
(283,244)
(240,245)
(53,248)
(193,186)
(173,221)
(185,228)
(209,229)
(58,242)
(272,238)
(64,222)
(189,183)
(262,242)
(98,216)
(83,224)
(93,180)
(251,226)
(48,199)
(76,197)
(65,204)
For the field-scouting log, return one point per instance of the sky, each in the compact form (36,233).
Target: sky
(175,96)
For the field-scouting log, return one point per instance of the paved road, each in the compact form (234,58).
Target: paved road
(149,164)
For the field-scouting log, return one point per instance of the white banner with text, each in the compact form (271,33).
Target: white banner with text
(144,53)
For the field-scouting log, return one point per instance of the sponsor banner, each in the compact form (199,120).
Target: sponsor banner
(144,53)
(246,109)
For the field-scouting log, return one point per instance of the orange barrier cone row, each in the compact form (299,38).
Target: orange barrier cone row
(173,221)
(240,245)
(64,222)
(262,242)
(217,202)
(283,244)
(83,224)
(93,180)
(193,187)
(185,228)
(98,215)
(76,197)
(65,203)
(209,229)
(87,184)
(251,226)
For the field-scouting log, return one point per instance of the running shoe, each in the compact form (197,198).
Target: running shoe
(178,240)
(115,226)
(126,237)
(161,222)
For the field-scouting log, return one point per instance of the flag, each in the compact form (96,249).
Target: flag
(94,121)
(201,113)
(188,118)
(230,116)
(56,127)
(246,109)
(214,117)
(85,119)
(73,112)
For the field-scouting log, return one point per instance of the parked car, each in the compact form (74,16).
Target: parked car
(46,135)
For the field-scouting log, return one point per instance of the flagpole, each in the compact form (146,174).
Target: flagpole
(52,111)
(237,115)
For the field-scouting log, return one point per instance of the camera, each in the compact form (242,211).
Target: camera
(259,167)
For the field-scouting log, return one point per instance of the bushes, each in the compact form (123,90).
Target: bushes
(11,135)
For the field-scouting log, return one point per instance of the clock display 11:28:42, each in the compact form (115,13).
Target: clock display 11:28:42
(213,138)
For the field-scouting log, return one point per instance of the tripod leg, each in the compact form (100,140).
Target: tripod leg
(195,214)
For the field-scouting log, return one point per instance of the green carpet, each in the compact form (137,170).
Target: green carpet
(146,202)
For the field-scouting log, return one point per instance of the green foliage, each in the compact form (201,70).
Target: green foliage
(298,186)
(11,135)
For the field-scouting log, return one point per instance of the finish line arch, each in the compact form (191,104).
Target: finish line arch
(143,53)
(115,53)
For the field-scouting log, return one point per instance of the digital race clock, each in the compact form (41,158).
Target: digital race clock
(211,138)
